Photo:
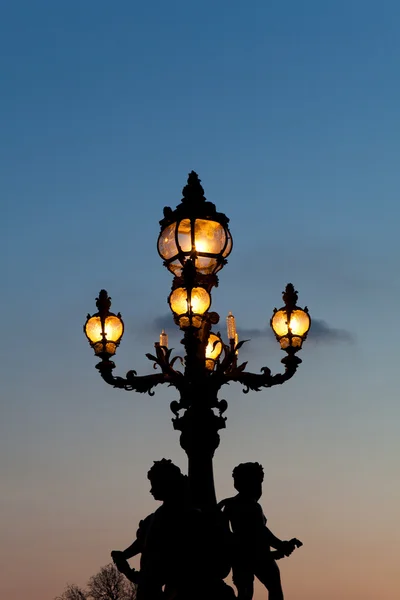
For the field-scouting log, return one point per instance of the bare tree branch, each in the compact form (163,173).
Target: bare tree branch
(110,584)
(107,584)
(72,592)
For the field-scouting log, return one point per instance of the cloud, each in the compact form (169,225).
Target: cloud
(164,322)
(320,332)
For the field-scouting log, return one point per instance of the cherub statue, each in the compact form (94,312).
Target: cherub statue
(158,534)
(252,540)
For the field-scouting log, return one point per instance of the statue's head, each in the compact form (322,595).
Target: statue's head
(166,480)
(248,478)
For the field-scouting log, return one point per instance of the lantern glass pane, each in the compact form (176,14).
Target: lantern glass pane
(197,321)
(98,348)
(214,347)
(184,235)
(210,364)
(299,322)
(184,322)
(229,243)
(111,348)
(178,301)
(200,300)
(166,242)
(279,323)
(93,329)
(206,265)
(209,236)
(284,342)
(113,328)
(175,267)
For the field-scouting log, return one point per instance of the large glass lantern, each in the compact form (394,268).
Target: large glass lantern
(291,323)
(189,305)
(194,230)
(104,329)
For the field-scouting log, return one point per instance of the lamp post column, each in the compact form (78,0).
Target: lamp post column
(199,438)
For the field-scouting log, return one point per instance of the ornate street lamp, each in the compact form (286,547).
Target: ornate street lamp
(104,329)
(196,231)
(189,305)
(194,243)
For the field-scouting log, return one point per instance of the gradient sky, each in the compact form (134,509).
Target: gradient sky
(289,112)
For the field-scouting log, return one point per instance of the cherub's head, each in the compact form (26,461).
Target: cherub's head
(248,478)
(166,480)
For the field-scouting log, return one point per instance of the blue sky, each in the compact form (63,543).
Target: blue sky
(289,113)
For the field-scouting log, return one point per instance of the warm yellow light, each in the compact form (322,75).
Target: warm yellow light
(213,351)
(184,235)
(299,322)
(179,301)
(197,302)
(279,323)
(113,329)
(298,325)
(209,236)
(94,330)
(200,300)
(292,333)
(214,347)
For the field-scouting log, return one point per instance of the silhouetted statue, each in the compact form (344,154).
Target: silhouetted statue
(182,548)
(158,534)
(252,540)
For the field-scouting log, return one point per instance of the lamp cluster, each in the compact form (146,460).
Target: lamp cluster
(194,244)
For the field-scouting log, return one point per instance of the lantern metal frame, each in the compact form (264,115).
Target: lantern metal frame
(103,304)
(194,207)
(290,297)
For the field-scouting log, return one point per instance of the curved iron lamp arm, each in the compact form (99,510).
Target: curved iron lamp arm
(144,383)
(255,381)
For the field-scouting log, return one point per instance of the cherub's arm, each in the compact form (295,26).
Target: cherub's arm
(273,540)
(132,550)
(284,547)
(120,559)
(137,546)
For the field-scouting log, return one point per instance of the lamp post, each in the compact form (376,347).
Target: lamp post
(194,244)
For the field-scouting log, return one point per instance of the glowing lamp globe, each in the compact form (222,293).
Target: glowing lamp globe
(104,329)
(189,305)
(213,350)
(194,230)
(291,323)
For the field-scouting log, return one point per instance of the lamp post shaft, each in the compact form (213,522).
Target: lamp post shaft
(201,479)
(199,439)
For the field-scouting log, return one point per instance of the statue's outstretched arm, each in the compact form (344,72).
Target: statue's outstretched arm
(284,547)
(134,549)
(273,540)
